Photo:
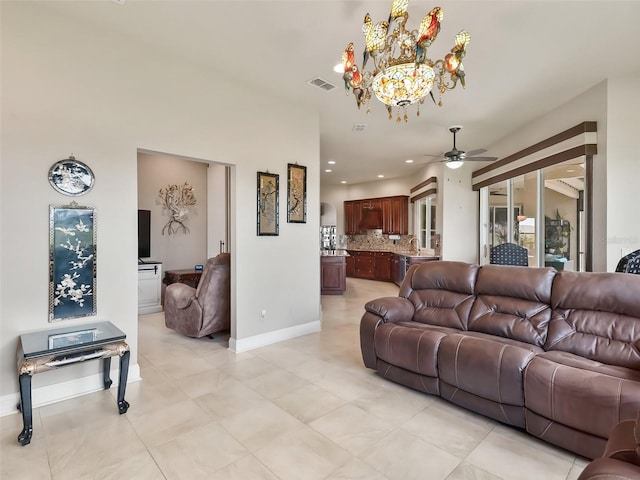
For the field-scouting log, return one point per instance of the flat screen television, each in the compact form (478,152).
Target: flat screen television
(144,233)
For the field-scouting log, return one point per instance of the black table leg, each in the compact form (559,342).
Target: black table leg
(106,374)
(123,406)
(25,406)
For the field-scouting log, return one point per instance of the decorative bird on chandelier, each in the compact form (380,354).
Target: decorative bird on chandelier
(398,10)
(427,33)
(374,37)
(453,60)
(348,61)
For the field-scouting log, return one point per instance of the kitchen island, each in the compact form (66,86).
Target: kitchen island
(333,272)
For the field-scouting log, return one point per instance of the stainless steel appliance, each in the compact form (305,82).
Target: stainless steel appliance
(328,237)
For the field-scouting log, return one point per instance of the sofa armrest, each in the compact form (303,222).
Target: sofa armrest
(180,295)
(391,309)
(609,469)
(623,444)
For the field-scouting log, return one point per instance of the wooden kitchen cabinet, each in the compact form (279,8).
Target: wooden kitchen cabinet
(365,265)
(399,222)
(383,266)
(394,210)
(350,262)
(332,274)
(385,204)
(352,216)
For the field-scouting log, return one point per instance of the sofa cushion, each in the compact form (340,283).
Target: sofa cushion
(513,302)
(409,379)
(441,292)
(412,346)
(486,366)
(569,438)
(597,316)
(580,393)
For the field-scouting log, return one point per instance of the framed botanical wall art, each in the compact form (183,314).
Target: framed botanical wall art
(268,203)
(296,193)
(72,262)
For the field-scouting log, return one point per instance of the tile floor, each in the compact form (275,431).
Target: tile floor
(301,409)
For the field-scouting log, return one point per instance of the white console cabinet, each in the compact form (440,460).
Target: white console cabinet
(149,287)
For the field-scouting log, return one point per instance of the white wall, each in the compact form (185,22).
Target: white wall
(335,195)
(177,250)
(460,215)
(586,106)
(623,172)
(381,188)
(74,87)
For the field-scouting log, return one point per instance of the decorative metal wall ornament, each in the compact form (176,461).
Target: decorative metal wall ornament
(177,199)
(72,261)
(71,177)
(268,203)
(296,193)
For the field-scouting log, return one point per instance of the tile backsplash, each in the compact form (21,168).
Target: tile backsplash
(376,240)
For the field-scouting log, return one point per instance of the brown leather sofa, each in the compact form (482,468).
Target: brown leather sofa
(554,353)
(621,458)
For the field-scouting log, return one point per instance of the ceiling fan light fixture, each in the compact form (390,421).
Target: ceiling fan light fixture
(454,164)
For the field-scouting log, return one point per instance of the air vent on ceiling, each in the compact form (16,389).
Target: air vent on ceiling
(359,127)
(322,84)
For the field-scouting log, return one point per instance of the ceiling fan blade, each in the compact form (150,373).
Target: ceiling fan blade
(480,159)
(428,162)
(475,152)
(437,155)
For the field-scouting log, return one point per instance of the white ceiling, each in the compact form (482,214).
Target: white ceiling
(525,58)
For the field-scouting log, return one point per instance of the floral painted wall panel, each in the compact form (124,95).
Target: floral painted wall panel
(72,262)
(296,193)
(268,203)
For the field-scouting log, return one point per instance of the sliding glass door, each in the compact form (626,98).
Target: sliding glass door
(543,211)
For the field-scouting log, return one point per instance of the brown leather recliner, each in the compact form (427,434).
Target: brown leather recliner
(205,310)
(621,458)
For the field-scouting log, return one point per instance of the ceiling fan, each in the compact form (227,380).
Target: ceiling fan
(455,158)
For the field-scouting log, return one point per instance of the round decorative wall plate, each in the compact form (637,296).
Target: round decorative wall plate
(71,177)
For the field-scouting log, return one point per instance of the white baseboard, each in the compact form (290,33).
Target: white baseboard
(65,390)
(264,339)
(148,310)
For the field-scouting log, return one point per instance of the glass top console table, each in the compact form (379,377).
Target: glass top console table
(51,349)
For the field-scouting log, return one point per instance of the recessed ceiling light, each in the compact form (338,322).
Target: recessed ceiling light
(343,181)
(328,170)
(380,176)
(331,162)
(338,68)
(408,161)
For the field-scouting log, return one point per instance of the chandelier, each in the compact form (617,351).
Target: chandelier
(400,72)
